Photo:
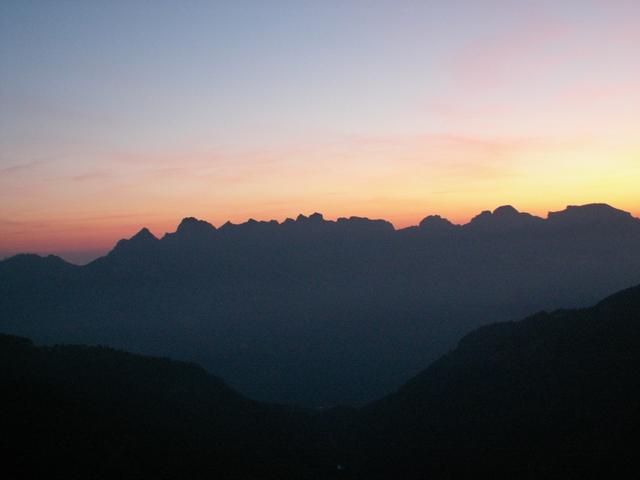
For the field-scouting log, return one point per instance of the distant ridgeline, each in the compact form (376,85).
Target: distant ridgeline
(556,395)
(315,312)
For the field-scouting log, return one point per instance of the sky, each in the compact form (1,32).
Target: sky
(122,114)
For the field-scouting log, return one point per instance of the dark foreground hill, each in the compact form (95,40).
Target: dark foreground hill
(553,395)
(94,412)
(318,312)
(556,395)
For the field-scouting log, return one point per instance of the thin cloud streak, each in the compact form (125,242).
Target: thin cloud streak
(20,168)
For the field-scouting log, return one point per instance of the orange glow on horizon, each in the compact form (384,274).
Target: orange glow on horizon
(95,237)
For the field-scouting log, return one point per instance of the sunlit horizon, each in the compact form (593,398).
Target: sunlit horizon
(88,243)
(125,115)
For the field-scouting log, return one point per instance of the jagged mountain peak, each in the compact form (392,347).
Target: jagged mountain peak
(596,217)
(144,235)
(313,218)
(140,242)
(191,228)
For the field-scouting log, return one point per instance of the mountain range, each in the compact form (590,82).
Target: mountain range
(319,313)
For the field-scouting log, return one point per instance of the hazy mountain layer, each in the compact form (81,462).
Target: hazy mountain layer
(318,312)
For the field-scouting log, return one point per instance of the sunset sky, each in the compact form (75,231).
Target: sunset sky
(122,114)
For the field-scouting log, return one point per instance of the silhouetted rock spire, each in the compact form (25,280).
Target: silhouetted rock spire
(313,218)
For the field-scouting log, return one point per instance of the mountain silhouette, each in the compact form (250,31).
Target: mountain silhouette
(318,312)
(436,224)
(74,411)
(555,395)
(504,218)
(596,215)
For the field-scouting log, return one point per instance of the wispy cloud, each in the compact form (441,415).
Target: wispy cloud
(94,175)
(14,223)
(472,146)
(19,168)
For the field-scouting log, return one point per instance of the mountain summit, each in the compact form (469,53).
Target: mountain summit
(504,217)
(593,215)
(141,243)
(192,229)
